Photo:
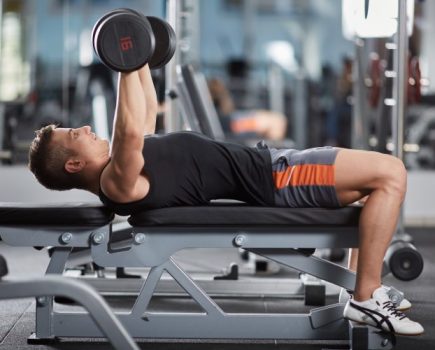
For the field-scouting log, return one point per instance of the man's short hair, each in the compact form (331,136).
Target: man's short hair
(47,162)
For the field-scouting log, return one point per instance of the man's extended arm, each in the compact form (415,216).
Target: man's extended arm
(120,179)
(149,92)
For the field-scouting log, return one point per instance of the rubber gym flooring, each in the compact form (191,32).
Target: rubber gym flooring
(17,317)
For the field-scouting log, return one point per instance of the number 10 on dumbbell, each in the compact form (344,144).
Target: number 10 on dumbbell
(126,40)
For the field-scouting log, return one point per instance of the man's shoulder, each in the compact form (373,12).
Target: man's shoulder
(114,187)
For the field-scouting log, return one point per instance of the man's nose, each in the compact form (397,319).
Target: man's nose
(87,129)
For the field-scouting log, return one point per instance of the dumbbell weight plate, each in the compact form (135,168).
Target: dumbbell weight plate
(101,20)
(404,261)
(123,41)
(165,42)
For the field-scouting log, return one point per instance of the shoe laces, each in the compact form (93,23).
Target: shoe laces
(392,310)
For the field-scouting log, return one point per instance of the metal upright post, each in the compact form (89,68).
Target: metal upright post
(359,126)
(400,83)
(172,114)
(276,88)
(66,74)
(300,110)
(2,106)
(249,17)
(183,16)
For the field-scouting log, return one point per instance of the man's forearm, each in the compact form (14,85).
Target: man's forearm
(149,92)
(131,105)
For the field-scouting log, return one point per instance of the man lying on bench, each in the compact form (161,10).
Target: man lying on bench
(134,174)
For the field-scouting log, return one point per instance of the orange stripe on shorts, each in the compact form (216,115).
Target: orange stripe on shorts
(305,175)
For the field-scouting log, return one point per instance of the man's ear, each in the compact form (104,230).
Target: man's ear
(74,165)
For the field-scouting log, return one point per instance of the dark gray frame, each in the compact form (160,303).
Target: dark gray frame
(154,247)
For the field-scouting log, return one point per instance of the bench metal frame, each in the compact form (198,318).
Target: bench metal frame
(155,246)
(78,291)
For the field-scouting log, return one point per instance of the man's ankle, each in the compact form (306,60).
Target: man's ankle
(363,294)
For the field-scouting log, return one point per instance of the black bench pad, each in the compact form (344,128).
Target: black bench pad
(57,214)
(96,214)
(239,214)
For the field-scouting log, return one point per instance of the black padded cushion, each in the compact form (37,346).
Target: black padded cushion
(56,214)
(240,214)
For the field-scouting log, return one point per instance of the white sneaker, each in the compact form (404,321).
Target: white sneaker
(396,296)
(379,311)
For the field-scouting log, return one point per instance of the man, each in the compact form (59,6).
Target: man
(136,173)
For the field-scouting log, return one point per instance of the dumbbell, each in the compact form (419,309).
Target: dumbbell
(126,40)
(403,260)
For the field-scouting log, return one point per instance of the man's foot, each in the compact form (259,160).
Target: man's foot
(396,296)
(379,311)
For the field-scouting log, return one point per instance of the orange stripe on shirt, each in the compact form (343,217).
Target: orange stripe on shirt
(305,175)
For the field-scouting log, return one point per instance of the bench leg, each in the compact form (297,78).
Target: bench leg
(44,305)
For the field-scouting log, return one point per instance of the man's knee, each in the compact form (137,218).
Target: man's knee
(394,176)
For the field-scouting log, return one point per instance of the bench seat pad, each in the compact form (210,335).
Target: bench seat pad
(54,214)
(222,214)
(239,214)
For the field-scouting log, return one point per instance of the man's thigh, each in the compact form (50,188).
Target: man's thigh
(358,173)
(304,178)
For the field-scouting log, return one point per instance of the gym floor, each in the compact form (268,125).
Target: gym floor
(17,317)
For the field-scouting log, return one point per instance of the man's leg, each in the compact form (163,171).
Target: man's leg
(383,179)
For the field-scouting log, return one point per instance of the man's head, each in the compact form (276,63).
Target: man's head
(58,157)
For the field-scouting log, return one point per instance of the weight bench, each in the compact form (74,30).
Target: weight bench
(284,235)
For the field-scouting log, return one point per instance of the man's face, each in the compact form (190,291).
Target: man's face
(82,141)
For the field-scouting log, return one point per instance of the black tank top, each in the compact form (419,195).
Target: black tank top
(186,168)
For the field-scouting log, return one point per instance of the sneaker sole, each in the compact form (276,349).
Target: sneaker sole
(384,330)
(404,309)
